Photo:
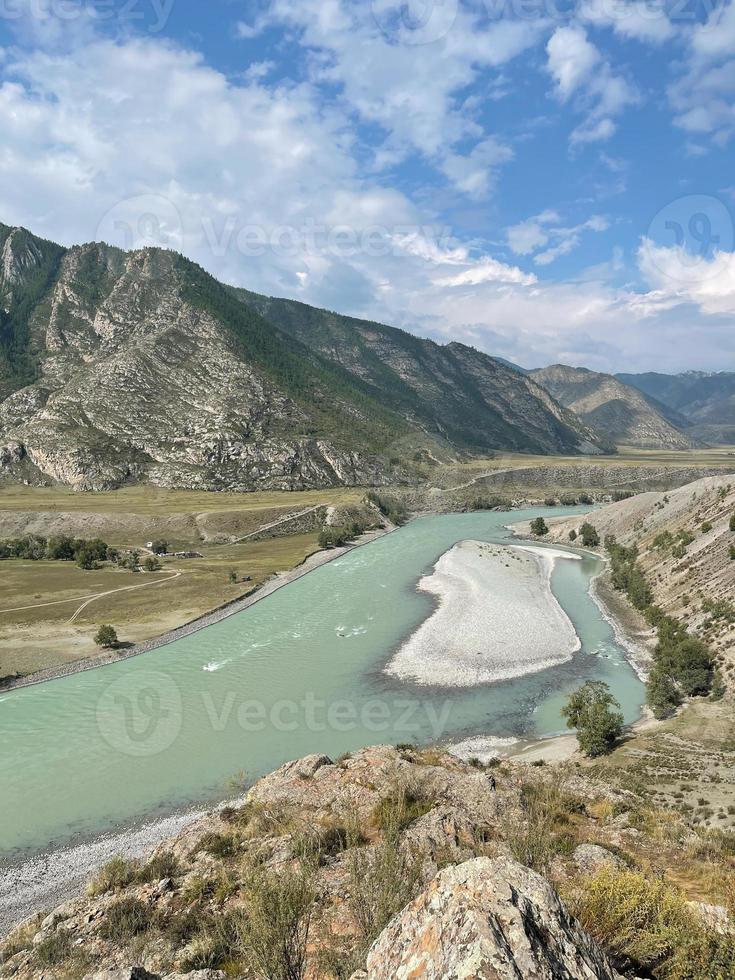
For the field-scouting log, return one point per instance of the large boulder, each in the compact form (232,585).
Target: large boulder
(487,920)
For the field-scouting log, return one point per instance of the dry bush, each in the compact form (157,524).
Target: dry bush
(646,925)
(116,874)
(546,827)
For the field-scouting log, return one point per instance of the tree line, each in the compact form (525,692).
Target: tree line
(86,552)
(683,665)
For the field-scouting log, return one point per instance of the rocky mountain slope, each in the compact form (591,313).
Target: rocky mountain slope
(117,367)
(400,863)
(621,414)
(684,540)
(705,400)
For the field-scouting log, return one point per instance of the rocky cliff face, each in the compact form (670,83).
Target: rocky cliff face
(135,381)
(120,367)
(684,541)
(486,919)
(621,414)
(395,864)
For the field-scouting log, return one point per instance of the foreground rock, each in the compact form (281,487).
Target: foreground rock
(398,861)
(488,920)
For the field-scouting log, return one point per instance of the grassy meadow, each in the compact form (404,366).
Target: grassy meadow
(140,605)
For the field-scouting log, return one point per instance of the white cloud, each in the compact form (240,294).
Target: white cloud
(118,131)
(571,59)
(641,21)
(680,277)
(411,90)
(703,97)
(578,69)
(528,236)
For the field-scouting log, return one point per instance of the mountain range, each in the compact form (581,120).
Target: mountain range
(619,412)
(706,401)
(118,367)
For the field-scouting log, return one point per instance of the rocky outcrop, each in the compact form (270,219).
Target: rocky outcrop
(487,920)
(407,858)
(684,546)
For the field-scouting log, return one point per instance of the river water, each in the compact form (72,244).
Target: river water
(299,672)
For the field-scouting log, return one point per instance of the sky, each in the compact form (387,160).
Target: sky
(547,181)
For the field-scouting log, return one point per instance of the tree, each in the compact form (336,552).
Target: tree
(86,559)
(662,694)
(152,564)
(130,561)
(590,537)
(592,711)
(539,527)
(159,547)
(60,548)
(572,535)
(732,522)
(106,637)
(233,575)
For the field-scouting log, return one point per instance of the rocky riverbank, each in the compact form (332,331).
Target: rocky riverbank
(389,863)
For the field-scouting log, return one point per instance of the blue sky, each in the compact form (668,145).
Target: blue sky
(547,181)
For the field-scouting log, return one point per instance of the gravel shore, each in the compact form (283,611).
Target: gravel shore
(53,876)
(496,619)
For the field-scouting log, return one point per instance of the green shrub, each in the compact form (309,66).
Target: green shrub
(400,808)
(106,636)
(589,535)
(391,507)
(544,830)
(163,865)
(539,527)
(54,949)
(383,880)
(273,928)
(127,918)
(219,845)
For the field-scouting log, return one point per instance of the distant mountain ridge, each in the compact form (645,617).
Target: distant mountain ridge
(705,400)
(619,412)
(119,367)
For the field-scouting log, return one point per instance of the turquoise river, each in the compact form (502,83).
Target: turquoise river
(299,672)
